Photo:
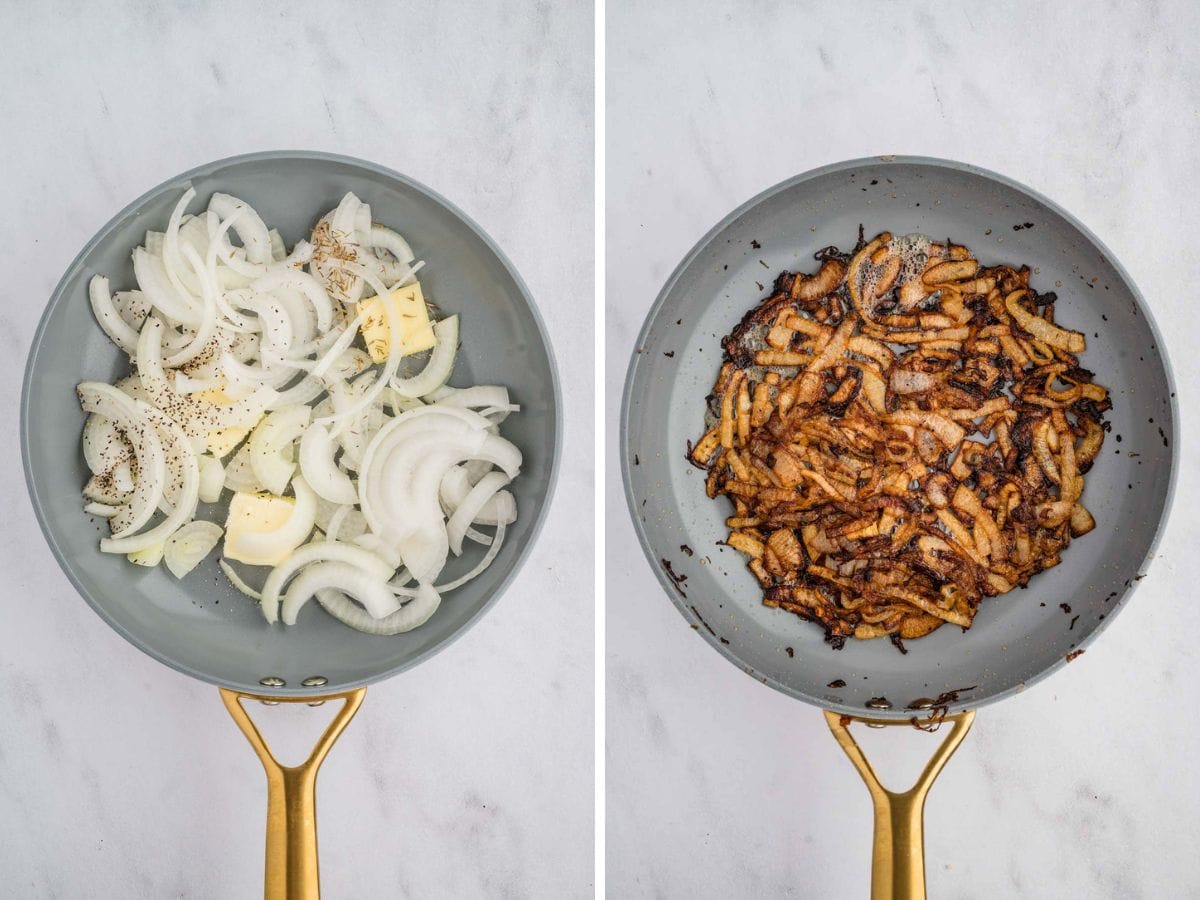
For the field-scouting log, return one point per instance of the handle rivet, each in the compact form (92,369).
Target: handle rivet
(879,703)
(315,681)
(317,703)
(272,681)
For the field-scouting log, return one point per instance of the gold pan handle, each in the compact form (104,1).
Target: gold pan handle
(898,858)
(291,867)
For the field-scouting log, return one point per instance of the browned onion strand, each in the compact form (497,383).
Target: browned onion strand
(901,434)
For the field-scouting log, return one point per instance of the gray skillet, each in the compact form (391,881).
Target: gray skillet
(1016,639)
(200,625)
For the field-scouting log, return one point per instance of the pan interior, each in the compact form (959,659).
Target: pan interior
(201,625)
(1015,638)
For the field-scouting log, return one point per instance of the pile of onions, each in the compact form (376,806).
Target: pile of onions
(249,377)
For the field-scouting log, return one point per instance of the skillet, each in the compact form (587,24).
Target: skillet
(1017,639)
(201,625)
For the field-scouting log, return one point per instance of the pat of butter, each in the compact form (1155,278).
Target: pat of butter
(255,514)
(408,308)
(222,441)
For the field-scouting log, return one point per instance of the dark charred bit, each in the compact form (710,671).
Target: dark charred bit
(1071,627)
(684,548)
(676,580)
(789,651)
(688,457)
(783,283)
(898,643)
(836,641)
(699,617)
(836,683)
(636,461)
(755,244)
(862,240)
(669,354)
(1022,226)
(1074,654)
(832,252)
(931,724)
(1065,607)
(722,640)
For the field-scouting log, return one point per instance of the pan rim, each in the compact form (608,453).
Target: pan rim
(56,297)
(704,242)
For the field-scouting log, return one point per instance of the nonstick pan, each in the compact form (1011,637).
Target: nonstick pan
(201,626)
(1016,639)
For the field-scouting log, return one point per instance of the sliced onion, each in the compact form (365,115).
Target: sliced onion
(441,362)
(185,549)
(117,329)
(212,478)
(194,416)
(469,509)
(129,416)
(317,451)
(318,551)
(256,241)
(488,558)
(384,238)
(185,506)
(236,580)
(133,307)
(412,615)
(171,257)
(104,489)
(104,445)
(476,397)
(153,282)
(239,474)
(309,287)
(278,247)
(271,446)
(149,557)
(208,321)
(373,593)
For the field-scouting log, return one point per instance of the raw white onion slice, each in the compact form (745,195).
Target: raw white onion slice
(250,227)
(318,551)
(239,474)
(237,581)
(468,510)
(317,452)
(185,549)
(185,506)
(373,593)
(413,614)
(129,416)
(117,329)
(271,446)
(212,478)
(441,362)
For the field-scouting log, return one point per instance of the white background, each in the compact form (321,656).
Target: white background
(1086,785)
(468,776)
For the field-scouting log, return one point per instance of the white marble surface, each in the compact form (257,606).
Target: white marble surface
(468,776)
(1083,787)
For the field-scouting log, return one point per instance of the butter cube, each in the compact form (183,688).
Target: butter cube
(255,514)
(408,307)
